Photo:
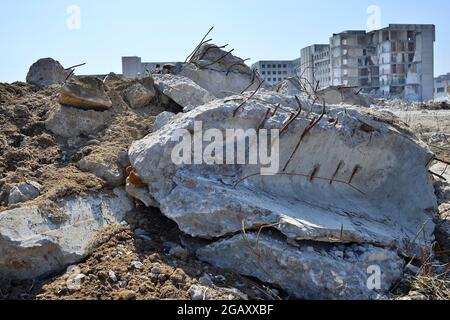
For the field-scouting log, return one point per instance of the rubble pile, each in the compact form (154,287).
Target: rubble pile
(93,205)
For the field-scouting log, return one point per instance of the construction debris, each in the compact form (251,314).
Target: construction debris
(46,72)
(85,93)
(340,191)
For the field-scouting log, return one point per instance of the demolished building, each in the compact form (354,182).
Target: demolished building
(352,191)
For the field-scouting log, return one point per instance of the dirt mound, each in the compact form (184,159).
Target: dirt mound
(141,260)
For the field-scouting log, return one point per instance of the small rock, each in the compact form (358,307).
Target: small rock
(74,282)
(126,295)
(206,280)
(197,292)
(24,192)
(156,270)
(112,276)
(123,284)
(137,265)
(178,276)
(179,252)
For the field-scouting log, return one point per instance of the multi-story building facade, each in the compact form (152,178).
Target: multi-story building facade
(315,65)
(394,61)
(275,71)
(442,86)
(133,67)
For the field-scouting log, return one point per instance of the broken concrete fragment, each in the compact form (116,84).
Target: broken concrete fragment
(85,93)
(71,122)
(345,95)
(315,272)
(46,72)
(141,194)
(362,169)
(220,73)
(24,192)
(109,172)
(138,96)
(33,244)
(182,90)
(162,119)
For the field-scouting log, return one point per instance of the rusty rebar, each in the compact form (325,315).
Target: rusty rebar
(216,61)
(292,118)
(298,175)
(237,64)
(340,165)
(263,121)
(437,175)
(75,66)
(199,45)
(248,99)
(312,125)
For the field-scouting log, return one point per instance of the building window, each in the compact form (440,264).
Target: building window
(284,65)
(263,66)
(279,72)
(279,79)
(269,73)
(285,72)
(274,66)
(279,66)
(263,72)
(269,79)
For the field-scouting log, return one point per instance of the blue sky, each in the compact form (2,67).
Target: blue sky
(168,30)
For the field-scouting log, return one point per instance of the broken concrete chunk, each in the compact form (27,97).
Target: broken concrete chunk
(220,73)
(317,273)
(85,93)
(138,96)
(141,194)
(213,57)
(46,72)
(182,90)
(71,122)
(24,192)
(347,183)
(109,172)
(345,95)
(32,244)
(162,119)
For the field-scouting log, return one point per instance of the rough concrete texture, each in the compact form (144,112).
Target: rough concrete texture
(345,95)
(138,95)
(386,204)
(85,93)
(68,122)
(306,271)
(35,241)
(111,173)
(46,72)
(24,192)
(219,73)
(182,90)
(162,119)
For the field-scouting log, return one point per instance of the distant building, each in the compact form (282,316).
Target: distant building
(315,65)
(442,86)
(275,71)
(133,67)
(394,61)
